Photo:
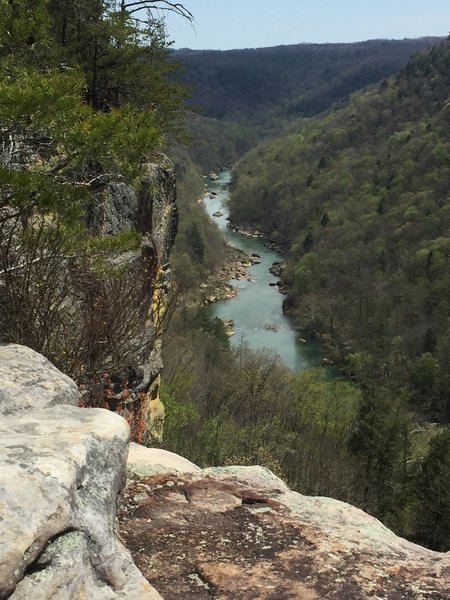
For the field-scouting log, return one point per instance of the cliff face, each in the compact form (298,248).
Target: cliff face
(150,209)
(96,306)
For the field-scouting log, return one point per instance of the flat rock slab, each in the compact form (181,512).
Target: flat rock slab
(145,461)
(28,381)
(240,533)
(61,471)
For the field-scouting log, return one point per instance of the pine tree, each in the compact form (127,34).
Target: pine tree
(432,491)
(380,441)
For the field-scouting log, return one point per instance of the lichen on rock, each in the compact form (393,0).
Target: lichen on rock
(240,533)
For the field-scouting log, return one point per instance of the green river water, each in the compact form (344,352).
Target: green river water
(257,313)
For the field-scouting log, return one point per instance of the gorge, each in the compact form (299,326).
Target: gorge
(256,312)
(144,452)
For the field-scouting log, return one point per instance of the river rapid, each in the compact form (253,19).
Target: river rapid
(257,312)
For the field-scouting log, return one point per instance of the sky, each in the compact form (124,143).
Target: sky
(227,24)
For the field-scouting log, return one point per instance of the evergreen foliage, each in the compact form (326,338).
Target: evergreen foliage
(432,512)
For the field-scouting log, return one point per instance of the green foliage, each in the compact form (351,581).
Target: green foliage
(251,409)
(195,242)
(53,140)
(24,31)
(123,63)
(432,494)
(215,143)
(122,242)
(57,144)
(380,441)
(199,247)
(359,197)
(67,129)
(215,327)
(180,422)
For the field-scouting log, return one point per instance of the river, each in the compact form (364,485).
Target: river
(257,313)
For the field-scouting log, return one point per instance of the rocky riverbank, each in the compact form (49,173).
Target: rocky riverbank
(234,267)
(250,231)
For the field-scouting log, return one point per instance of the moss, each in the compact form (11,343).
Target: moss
(124,241)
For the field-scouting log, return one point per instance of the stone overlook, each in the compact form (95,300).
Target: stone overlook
(240,533)
(61,472)
(224,533)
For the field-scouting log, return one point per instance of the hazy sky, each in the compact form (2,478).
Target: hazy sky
(225,24)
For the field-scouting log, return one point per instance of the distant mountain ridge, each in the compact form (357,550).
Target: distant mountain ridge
(288,81)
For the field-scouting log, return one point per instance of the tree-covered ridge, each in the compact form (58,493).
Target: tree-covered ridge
(360,197)
(283,82)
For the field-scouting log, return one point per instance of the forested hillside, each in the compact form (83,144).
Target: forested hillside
(248,86)
(360,198)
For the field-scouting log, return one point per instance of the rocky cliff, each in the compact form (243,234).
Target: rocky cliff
(225,533)
(238,533)
(150,209)
(96,305)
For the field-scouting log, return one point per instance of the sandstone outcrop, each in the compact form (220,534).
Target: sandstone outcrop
(232,533)
(62,469)
(144,461)
(238,533)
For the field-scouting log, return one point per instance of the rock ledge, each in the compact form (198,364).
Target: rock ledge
(239,533)
(62,469)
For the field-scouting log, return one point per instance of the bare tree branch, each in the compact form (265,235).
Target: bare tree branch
(164,5)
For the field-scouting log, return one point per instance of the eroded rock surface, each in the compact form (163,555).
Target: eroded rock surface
(29,381)
(240,533)
(150,209)
(151,461)
(62,469)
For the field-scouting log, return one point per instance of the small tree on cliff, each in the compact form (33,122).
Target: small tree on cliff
(381,444)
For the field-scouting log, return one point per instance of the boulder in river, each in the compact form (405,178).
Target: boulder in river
(218,213)
(277,268)
(255,260)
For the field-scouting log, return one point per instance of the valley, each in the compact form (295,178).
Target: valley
(245,255)
(357,198)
